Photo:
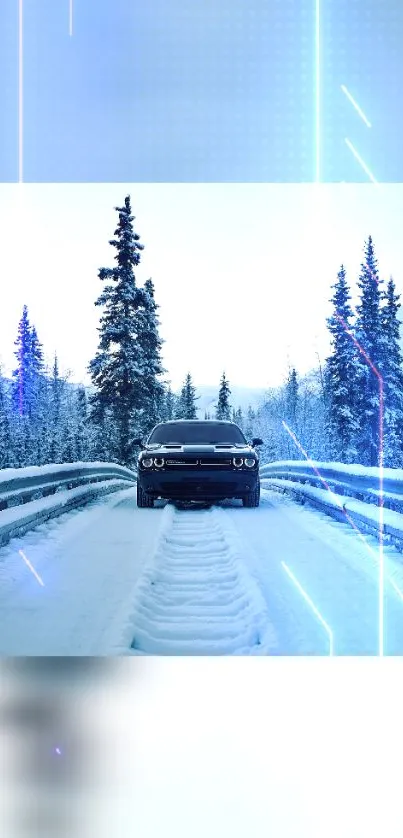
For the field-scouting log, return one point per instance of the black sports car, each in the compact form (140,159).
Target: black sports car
(190,459)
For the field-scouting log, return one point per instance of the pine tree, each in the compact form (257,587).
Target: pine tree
(147,325)
(250,422)
(169,404)
(291,397)
(119,365)
(186,408)
(82,432)
(55,432)
(368,329)
(5,428)
(392,378)
(340,376)
(22,374)
(239,420)
(223,409)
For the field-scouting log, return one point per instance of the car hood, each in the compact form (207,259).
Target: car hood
(201,448)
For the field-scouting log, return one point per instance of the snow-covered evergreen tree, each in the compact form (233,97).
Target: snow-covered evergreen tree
(186,407)
(82,429)
(340,376)
(239,419)
(223,409)
(22,396)
(55,429)
(5,428)
(291,398)
(148,339)
(170,400)
(392,377)
(119,365)
(368,332)
(250,423)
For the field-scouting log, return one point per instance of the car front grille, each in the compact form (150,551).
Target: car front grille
(181,462)
(191,462)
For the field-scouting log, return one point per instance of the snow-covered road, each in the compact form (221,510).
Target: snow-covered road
(278,580)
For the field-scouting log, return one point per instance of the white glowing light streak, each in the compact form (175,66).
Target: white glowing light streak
(32,569)
(317,92)
(312,606)
(360,160)
(71,18)
(20,89)
(355,105)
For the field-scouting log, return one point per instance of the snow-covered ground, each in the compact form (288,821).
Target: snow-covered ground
(278,580)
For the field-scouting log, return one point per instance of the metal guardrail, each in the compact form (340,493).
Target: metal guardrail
(361,493)
(30,496)
(340,480)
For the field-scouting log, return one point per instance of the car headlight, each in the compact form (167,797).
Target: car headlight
(249,462)
(147,462)
(237,461)
(159,462)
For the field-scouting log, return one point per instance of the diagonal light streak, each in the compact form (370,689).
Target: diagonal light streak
(360,160)
(31,567)
(355,105)
(311,605)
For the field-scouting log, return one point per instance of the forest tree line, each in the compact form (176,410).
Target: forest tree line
(333,413)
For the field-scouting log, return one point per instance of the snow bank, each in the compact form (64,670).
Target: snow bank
(196,595)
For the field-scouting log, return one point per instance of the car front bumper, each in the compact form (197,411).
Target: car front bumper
(206,484)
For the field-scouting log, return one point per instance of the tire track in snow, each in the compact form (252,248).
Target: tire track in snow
(196,595)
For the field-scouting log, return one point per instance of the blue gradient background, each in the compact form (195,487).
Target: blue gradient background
(200,90)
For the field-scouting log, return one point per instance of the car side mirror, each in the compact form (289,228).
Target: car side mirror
(256,441)
(137,442)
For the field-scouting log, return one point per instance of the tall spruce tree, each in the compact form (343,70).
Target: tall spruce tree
(223,409)
(239,418)
(21,388)
(169,404)
(187,402)
(82,430)
(250,422)
(368,330)
(392,378)
(340,376)
(291,397)
(55,433)
(5,427)
(118,367)
(148,339)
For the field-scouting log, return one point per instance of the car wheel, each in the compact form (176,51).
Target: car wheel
(252,499)
(144,501)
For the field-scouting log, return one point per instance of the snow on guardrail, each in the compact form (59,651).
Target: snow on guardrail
(360,486)
(29,496)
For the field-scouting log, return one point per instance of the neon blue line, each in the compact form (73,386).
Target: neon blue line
(312,605)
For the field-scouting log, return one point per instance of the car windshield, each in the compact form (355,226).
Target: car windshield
(197,432)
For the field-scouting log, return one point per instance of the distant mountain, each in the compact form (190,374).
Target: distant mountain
(240,397)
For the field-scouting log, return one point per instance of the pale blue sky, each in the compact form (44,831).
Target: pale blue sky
(242,271)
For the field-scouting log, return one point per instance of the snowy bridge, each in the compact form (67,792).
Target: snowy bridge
(112,579)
